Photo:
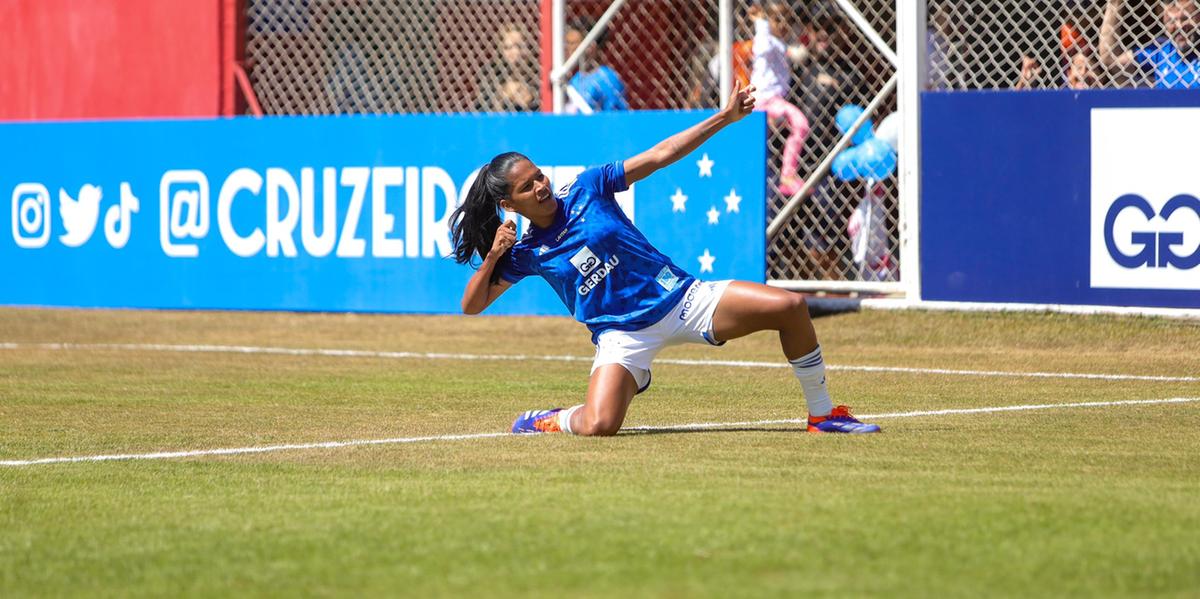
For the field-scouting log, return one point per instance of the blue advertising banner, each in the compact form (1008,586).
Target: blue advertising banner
(1061,197)
(334,213)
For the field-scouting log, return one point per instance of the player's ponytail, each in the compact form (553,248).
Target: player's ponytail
(473,224)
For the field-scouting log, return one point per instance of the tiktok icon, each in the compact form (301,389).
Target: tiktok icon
(118,219)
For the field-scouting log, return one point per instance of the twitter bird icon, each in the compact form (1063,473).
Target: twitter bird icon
(79,216)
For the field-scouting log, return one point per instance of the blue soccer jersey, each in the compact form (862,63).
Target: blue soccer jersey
(602,268)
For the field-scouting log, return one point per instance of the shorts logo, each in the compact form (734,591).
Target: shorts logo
(689,300)
(585,261)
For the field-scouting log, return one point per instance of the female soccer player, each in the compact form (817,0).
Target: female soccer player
(632,297)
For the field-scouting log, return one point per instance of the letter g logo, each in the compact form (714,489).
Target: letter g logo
(1151,244)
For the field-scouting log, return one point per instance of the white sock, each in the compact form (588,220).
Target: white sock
(564,419)
(810,369)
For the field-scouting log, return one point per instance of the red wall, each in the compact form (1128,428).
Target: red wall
(67,59)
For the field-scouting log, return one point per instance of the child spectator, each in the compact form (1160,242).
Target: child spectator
(771,76)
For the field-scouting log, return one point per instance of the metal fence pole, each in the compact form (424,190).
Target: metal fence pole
(725,49)
(558,16)
(911,45)
(869,32)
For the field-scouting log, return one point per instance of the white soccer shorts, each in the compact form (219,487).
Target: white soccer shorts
(690,321)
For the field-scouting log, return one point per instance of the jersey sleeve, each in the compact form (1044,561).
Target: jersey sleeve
(607,179)
(518,266)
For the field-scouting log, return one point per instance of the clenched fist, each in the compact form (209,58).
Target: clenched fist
(506,236)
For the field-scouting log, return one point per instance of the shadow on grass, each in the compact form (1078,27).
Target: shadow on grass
(650,430)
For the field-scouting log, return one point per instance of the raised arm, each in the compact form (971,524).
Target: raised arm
(1112,57)
(681,144)
(480,291)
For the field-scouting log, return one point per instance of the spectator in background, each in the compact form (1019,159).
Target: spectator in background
(943,51)
(771,77)
(741,61)
(1042,62)
(1070,32)
(509,83)
(1032,73)
(826,80)
(596,84)
(1077,53)
(1081,71)
(1171,62)
(704,81)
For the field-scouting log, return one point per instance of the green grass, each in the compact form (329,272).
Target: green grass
(1082,502)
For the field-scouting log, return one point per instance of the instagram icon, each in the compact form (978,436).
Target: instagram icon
(31,215)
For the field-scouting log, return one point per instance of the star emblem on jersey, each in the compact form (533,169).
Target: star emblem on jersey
(678,201)
(732,201)
(706,261)
(714,215)
(705,165)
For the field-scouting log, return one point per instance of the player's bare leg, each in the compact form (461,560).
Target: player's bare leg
(747,308)
(610,390)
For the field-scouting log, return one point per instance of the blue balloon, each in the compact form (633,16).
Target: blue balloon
(845,119)
(845,165)
(846,116)
(875,160)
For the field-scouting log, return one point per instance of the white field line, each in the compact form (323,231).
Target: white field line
(357,353)
(697,426)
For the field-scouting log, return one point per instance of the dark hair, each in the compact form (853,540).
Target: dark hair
(473,224)
(584,25)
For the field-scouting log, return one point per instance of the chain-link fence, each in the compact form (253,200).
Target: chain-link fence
(359,56)
(394,56)
(1076,44)
(661,50)
(845,230)
(373,56)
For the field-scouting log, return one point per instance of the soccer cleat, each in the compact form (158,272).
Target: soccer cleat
(537,421)
(840,420)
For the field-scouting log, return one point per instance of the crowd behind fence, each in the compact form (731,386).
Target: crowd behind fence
(442,56)
(1077,44)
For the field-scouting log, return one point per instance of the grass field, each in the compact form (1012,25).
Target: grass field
(1093,501)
